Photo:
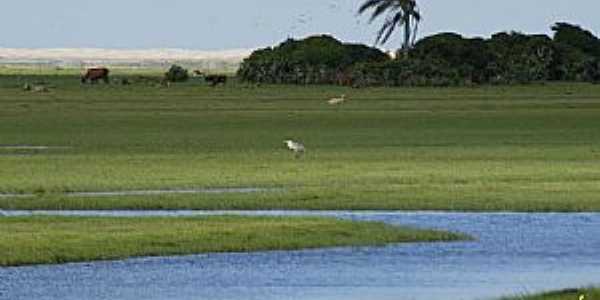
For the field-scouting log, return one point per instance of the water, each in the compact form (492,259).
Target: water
(513,254)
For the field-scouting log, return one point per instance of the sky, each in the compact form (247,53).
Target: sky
(248,24)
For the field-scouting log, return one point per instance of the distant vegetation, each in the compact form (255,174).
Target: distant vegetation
(445,59)
(569,294)
(177,74)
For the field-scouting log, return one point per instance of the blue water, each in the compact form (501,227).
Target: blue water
(513,254)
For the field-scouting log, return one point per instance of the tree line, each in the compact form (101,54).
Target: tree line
(445,59)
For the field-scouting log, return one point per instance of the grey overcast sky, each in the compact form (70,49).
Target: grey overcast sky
(210,25)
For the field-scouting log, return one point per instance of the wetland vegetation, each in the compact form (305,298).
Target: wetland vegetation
(512,148)
(52,240)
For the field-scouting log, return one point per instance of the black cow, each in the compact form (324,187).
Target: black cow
(215,80)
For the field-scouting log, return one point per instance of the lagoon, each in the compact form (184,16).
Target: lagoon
(514,253)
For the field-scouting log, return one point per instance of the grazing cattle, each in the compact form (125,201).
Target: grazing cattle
(94,74)
(197,73)
(215,80)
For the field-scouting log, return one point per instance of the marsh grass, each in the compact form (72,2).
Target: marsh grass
(521,148)
(52,240)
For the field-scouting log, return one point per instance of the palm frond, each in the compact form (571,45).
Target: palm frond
(391,25)
(368,5)
(381,8)
(399,12)
(416,15)
(382,31)
(378,6)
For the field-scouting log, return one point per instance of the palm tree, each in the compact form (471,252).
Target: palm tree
(399,13)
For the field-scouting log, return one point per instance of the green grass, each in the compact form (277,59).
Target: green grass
(570,294)
(52,240)
(523,148)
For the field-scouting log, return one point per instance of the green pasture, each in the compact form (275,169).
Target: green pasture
(518,148)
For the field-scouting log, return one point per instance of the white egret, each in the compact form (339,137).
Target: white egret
(296,147)
(335,101)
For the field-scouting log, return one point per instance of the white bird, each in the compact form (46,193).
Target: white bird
(297,147)
(582,297)
(335,101)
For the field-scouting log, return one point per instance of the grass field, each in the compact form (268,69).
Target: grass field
(50,240)
(523,148)
(571,294)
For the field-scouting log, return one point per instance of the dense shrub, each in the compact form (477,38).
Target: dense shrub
(177,74)
(577,38)
(440,60)
(463,60)
(315,60)
(520,58)
(449,59)
(407,72)
(579,55)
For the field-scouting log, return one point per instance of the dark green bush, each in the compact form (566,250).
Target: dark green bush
(577,38)
(315,60)
(408,72)
(177,74)
(520,58)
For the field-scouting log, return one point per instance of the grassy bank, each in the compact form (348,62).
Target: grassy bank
(570,294)
(522,148)
(51,240)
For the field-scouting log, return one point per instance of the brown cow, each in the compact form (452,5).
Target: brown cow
(95,74)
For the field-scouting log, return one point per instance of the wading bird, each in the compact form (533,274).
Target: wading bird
(297,147)
(335,101)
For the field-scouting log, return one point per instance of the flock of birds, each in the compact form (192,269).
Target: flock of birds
(297,147)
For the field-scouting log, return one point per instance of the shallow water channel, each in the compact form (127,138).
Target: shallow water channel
(513,254)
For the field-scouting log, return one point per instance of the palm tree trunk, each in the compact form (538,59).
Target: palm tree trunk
(407,34)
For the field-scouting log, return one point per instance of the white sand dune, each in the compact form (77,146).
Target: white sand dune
(121,55)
